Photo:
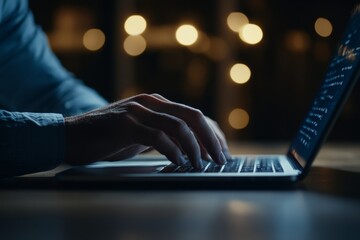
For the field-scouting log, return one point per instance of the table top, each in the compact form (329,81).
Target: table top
(325,205)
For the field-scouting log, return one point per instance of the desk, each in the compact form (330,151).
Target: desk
(326,205)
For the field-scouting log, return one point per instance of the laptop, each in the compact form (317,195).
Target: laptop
(340,78)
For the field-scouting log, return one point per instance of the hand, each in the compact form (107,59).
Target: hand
(133,125)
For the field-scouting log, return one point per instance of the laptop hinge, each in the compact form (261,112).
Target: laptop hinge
(294,163)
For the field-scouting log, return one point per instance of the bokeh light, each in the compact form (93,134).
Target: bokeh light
(238,118)
(323,27)
(134,45)
(236,20)
(135,25)
(251,33)
(186,34)
(240,73)
(93,39)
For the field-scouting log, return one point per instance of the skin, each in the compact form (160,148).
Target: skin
(133,125)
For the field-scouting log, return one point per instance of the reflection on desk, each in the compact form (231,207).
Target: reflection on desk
(326,205)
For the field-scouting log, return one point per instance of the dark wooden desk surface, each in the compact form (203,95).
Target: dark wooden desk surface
(326,205)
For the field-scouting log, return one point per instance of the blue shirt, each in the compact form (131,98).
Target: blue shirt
(36,92)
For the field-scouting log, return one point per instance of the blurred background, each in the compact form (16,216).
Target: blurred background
(252,65)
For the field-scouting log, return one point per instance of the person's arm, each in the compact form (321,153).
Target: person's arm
(31,77)
(35,93)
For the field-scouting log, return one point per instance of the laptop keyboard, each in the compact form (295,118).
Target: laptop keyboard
(235,165)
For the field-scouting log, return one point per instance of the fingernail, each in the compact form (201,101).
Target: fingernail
(199,164)
(222,158)
(207,157)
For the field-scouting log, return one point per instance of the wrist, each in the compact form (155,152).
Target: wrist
(72,140)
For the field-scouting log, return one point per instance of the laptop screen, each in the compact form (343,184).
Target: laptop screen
(340,77)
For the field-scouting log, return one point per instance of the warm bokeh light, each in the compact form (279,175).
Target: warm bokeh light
(236,20)
(134,45)
(93,39)
(251,33)
(323,27)
(135,25)
(240,73)
(297,41)
(238,118)
(186,35)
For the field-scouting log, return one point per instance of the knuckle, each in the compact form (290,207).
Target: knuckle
(180,126)
(197,114)
(134,106)
(156,95)
(141,97)
(158,136)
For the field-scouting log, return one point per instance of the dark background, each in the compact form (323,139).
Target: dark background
(283,81)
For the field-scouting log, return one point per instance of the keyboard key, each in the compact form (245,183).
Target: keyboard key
(248,165)
(182,169)
(264,169)
(213,168)
(196,170)
(232,166)
(277,166)
(169,168)
(264,165)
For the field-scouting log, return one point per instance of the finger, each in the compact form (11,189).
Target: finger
(148,136)
(219,134)
(221,137)
(204,154)
(197,121)
(194,119)
(174,127)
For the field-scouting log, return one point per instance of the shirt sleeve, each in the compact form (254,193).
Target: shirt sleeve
(36,92)
(30,142)
(31,77)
